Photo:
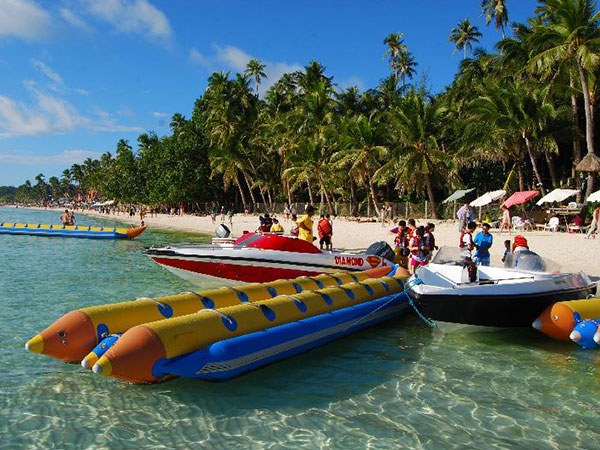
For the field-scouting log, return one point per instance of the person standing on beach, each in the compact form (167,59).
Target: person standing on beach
(594,226)
(418,250)
(412,227)
(466,240)
(213,214)
(401,241)
(222,214)
(324,229)
(305,224)
(294,231)
(505,222)
(463,217)
(230,217)
(483,242)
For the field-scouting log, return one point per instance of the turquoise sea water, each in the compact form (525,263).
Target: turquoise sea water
(399,385)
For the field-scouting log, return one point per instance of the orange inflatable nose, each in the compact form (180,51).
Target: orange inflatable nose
(556,321)
(69,339)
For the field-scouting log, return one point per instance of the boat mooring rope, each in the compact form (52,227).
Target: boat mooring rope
(407,286)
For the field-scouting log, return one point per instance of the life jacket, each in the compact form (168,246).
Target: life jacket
(324,228)
(401,239)
(295,230)
(461,244)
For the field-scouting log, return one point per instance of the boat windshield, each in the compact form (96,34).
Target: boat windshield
(523,260)
(530,261)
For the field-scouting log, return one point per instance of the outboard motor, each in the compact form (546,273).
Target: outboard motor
(381,249)
(222,231)
(469,271)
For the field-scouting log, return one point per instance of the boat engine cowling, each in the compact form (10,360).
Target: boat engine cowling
(222,231)
(381,249)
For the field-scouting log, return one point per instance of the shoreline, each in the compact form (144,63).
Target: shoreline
(571,252)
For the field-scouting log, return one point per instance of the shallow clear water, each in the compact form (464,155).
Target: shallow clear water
(400,385)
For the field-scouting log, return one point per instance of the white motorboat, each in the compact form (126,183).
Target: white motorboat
(256,257)
(511,296)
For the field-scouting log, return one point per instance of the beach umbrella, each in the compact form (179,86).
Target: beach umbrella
(519,197)
(595,197)
(590,163)
(557,195)
(488,198)
(458,195)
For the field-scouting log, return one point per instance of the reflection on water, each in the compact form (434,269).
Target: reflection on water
(399,385)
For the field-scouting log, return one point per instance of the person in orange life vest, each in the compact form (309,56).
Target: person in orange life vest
(401,244)
(466,240)
(325,231)
(418,250)
(429,239)
(412,227)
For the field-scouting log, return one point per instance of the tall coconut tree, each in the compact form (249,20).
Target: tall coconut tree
(495,10)
(256,70)
(406,66)
(464,36)
(395,46)
(570,33)
(416,161)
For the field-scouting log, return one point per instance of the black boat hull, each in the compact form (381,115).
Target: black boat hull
(494,310)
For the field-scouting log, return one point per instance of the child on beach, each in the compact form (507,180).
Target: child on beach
(418,250)
(325,231)
(466,240)
(506,249)
(294,231)
(401,241)
(429,239)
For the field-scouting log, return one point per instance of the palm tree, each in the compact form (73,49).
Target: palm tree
(406,66)
(495,10)
(571,33)
(255,69)
(395,46)
(364,139)
(464,36)
(417,160)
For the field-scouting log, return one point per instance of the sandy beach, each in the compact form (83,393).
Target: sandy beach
(571,251)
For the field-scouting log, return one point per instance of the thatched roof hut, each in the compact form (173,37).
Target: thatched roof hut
(590,163)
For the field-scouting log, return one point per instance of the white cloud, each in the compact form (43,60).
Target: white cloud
(39,65)
(73,19)
(237,59)
(23,19)
(160,115)
(66,157)
(58,84)
(50,114)
(351,82)
(132,16)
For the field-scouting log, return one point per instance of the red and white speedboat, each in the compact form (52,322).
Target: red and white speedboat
(258,258)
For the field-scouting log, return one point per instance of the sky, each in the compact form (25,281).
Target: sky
(78,75)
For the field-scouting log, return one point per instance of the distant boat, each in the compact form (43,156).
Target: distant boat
(74,231)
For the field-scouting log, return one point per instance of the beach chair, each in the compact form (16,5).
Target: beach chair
(517,223)
(553,225)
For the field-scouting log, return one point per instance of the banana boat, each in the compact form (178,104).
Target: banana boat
(559,319)
(75,231)
(242,328)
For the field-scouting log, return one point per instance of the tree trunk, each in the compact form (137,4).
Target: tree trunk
(502,30)
(262,195)
(551,171)
(521,177)
(249,189)
(373,197)
(534,163)
(352,198)
(310,194)
(576,142)
(242,194)
(431,195)
(589,115)
(465,52)
(270,198)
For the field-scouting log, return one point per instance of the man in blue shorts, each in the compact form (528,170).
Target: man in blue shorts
(483,241)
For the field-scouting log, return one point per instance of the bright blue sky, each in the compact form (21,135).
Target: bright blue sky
(76,76)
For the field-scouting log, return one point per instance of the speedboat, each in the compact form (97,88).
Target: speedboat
(510,296)
(259,258)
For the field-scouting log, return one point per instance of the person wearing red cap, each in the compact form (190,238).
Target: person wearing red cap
(519,244)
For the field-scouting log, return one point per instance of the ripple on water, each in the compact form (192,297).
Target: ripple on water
(400,385)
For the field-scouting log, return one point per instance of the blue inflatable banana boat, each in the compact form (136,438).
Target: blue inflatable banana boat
(36,229)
